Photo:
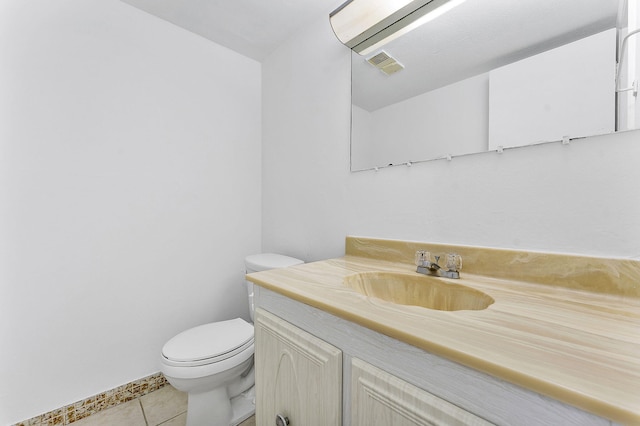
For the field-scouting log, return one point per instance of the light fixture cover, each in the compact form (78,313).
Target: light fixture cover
(364,25)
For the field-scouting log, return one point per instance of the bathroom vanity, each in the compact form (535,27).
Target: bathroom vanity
(558,344)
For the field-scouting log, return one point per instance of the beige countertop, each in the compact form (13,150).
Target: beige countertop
(577,346)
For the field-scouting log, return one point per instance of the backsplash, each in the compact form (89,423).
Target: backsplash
(92,405)
(595,274)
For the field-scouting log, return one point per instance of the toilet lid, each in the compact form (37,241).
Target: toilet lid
(211,342)
(265,261)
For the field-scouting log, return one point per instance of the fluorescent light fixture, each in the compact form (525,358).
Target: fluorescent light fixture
(366,25)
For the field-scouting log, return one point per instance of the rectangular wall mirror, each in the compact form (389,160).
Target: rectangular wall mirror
(494,75)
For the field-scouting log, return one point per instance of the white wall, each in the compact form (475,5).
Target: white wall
(580,198)
(129,194)
(306,113)
(362,148)
(449,120)
(564,91)
(628,104)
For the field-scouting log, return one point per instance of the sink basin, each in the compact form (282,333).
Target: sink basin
(418,290)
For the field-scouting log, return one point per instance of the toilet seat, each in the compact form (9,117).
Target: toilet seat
(226,369)
(208,344)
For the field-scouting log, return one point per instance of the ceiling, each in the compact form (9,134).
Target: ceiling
(475,37)
(253,28)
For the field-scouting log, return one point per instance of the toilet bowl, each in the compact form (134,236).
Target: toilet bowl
(213,362)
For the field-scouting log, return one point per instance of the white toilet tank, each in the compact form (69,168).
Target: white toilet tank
(264,262)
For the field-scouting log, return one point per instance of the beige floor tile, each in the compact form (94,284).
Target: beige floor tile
(163,404)
(251,421)
(181,420)
(129,413)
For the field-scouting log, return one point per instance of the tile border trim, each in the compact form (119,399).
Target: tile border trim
(94,404)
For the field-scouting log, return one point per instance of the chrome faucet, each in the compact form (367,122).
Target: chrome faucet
(427,267)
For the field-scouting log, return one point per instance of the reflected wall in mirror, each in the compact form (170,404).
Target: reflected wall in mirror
(493,74)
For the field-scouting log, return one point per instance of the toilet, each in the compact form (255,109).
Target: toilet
(213,362)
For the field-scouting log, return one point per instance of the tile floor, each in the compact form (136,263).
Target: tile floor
(166,407)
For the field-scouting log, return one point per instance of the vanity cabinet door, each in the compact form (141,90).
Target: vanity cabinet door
(298,376)
(381,399)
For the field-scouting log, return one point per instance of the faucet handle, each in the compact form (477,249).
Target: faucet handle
(454,262)
(422,258)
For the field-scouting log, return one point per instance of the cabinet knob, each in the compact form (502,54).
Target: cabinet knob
(281,420)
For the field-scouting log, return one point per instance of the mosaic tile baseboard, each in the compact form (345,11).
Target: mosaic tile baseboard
(94,404)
